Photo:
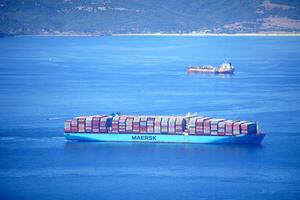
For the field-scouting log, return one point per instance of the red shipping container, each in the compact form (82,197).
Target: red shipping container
(200,121)
(150,129)
(74,125)
(207,122)
(206,129)
(221,133)
(136,124)
(95,124)
(179,129)
(221,130)
(237,127)
(229,127)
(81,124)
(215,124)
(143,130)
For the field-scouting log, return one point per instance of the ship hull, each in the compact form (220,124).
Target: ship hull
(160,138)
(210,71)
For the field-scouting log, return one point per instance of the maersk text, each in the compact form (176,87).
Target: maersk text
(135,137)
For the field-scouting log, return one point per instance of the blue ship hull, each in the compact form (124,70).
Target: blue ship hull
(115,137)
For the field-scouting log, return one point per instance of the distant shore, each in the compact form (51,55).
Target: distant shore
(209,34)
(163,34)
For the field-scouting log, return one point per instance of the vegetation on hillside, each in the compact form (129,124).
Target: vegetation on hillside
(148,16)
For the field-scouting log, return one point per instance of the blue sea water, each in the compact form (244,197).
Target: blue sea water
(46,80)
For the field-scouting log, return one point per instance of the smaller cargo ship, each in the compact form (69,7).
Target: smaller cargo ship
(225,68)
(174,129)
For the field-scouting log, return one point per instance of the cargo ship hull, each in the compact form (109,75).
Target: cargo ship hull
(160,138)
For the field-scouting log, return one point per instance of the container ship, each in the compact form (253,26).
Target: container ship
(163,129)
(225,68)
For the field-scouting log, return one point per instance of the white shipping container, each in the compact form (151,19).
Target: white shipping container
(88,121)
(164,121)
(67,125)
(214,132)
(172,122)
(136,119)
(157,129)
(179,121)
(157,120)
(129,121)
(192,122)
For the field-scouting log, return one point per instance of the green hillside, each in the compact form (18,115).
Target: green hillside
(148,16)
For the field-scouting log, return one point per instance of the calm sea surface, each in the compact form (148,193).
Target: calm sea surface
(45,80)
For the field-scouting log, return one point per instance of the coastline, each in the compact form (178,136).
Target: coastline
(209,34)
(164,34)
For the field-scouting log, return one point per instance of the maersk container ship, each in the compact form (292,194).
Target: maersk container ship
(164,129)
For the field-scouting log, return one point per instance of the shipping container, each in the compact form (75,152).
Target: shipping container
(150,124)
(206,126)
(214,126)
(192,131)
(103,124)
(129,124)
(221,127)
(192,122)
(229,127)
(171,125)
(164,124)
(74,125)
(115,124)
(192,125)
(143,124)
(88,124)
(96,124)
(157,124)
(200,126)
(122,124)
(81,124)
(222,124)
(180,125)
(237,127)
(249,128)
(136,124)
(67,127)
